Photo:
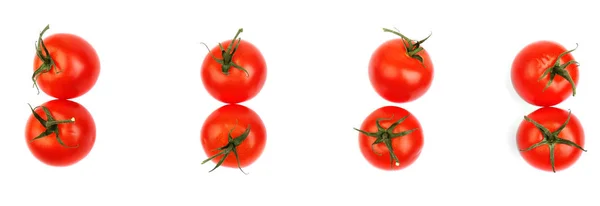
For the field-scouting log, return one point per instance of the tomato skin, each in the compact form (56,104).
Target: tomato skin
(78,63)
(396,76)
(529,65)
(406,148)
(82,132)
(235,87)
(217,126)
(551,118)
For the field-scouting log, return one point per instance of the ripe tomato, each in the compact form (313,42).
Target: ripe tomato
(390,128)
(65,66)
(400,70)
(234,71)
(60,132)
(550,139)
(544,73)
(234,132)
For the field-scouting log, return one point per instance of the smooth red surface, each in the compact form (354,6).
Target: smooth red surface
(396,76)
(407,148)
(551,118)
(235,87)
(216,128)
(82,132)
(529,65)
(78,63)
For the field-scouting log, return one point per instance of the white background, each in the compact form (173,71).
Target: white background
(149,103)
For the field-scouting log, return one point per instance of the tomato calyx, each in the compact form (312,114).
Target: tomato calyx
(385,136)
(44,56)
(51,125)
(412,47)
(227,61)
(551,139)
(230,147)
(560,70)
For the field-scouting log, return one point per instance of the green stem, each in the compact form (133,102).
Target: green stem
(386,135)
(56,122)
(551,139)
(44,55)
(230,147)
(51,125)
(560,70)
(227,60)
(412,47)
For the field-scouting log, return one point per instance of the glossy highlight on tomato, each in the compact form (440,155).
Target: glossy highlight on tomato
(400,70)
(233,136)
(60,132)
(550,139)
(544,73)
(235,71)
(390,138)
(66,66)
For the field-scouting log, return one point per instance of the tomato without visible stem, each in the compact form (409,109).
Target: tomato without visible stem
(66,66)
(394,129)
(544,73)
(60,132)
(233,136)
(550,139)
(234,72)
(400,70)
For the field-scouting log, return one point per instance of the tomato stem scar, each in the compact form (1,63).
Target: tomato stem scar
(551,138)
(51,125)
(227,61)
(560,70)
(385,136)
(230,147)
(412,47)
(44,55)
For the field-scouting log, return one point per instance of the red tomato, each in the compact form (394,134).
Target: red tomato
(550,139)
(66,66)
(234,71)
(544,73)
(235,134)
(390,128)
(60,132)
(400,70)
